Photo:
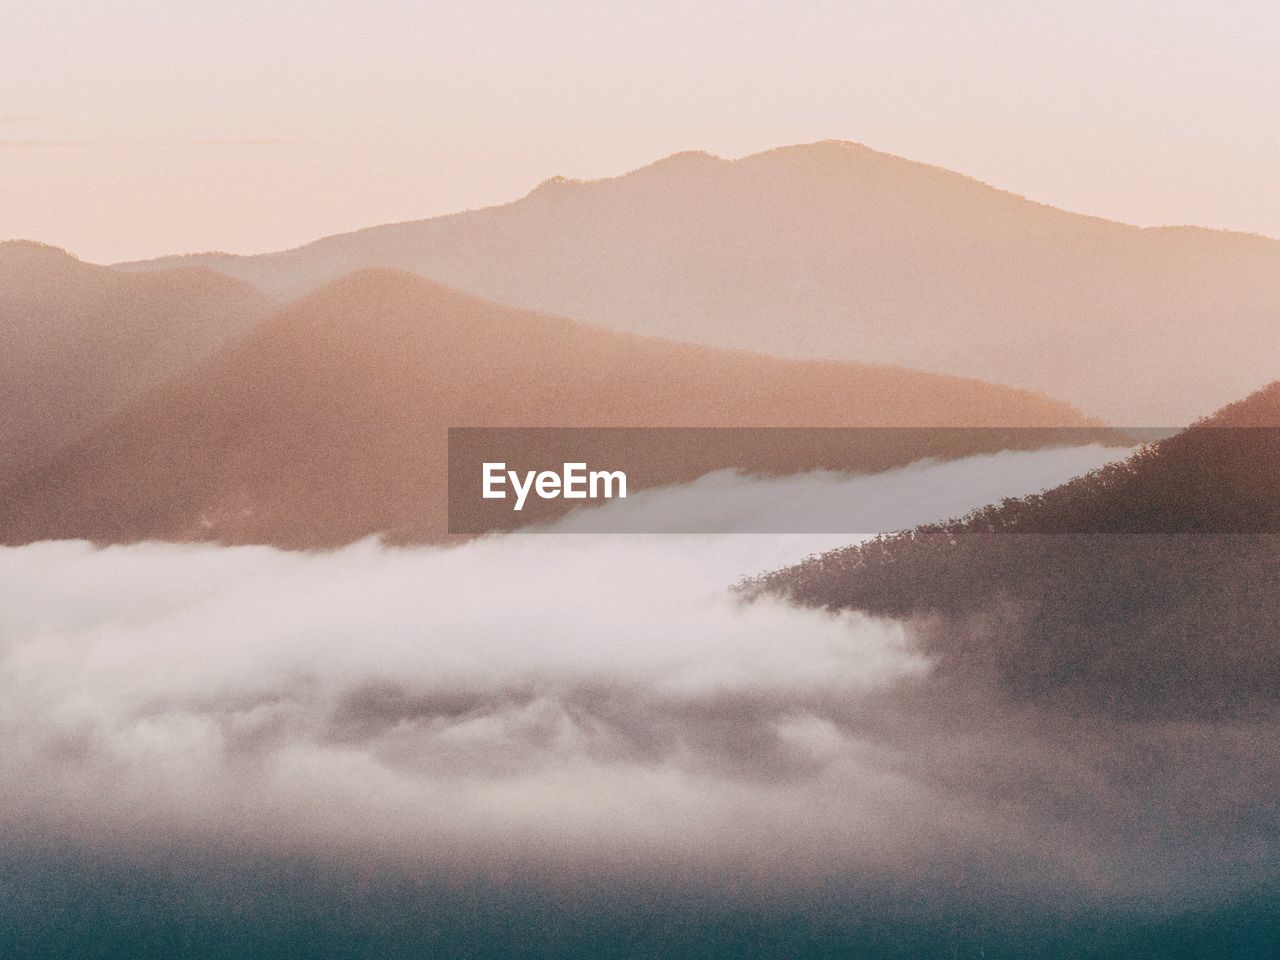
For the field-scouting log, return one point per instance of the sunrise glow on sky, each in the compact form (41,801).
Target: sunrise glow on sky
(137,129)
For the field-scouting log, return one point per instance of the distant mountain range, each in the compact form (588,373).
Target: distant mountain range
(1148,585)
(327,422)
(166,399)
(81,342)
(835,250)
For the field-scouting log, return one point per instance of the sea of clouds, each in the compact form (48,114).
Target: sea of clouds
(579,701)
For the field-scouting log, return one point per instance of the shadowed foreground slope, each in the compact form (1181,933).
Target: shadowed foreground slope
(1149,586)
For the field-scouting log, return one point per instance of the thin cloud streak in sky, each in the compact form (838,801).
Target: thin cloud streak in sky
(45,142)
(80,141)
(251,142)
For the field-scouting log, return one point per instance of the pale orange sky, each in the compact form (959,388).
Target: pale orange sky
(147,127)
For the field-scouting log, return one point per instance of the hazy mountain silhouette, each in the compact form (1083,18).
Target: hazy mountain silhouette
(327,422)
(82,341)
(1148,584)
(835,250)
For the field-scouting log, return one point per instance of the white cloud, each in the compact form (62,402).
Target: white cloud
(827,501)
(554,700)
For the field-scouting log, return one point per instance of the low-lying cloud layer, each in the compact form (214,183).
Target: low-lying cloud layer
(832,502)
(563,702)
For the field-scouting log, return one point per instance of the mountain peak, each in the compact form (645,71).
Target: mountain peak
(367,289)
(553,185)
(677,164)
(685,160)
(33,253)
(33,247)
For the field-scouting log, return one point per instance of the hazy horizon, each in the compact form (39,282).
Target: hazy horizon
(225,127)
(576,480)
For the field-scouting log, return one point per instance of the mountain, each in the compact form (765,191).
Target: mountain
(83,341)
(835,250)
(328,421)
(1149,584)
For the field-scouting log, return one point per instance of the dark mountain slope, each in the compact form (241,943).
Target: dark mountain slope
(1151,584)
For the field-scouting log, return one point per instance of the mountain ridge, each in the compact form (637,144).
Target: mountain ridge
(837,251)
(326,423)
(82,341)
(561,180)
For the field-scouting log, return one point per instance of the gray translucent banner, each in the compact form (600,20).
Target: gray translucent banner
(863,480)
